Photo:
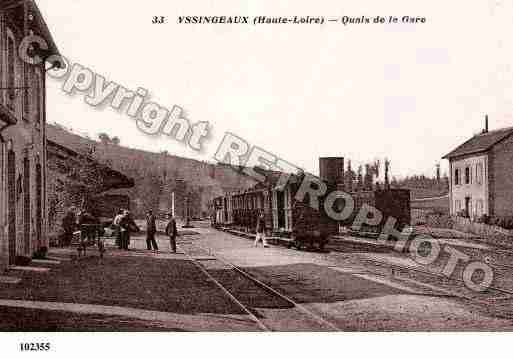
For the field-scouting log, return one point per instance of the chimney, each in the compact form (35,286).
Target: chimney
(331,170)
(486,124)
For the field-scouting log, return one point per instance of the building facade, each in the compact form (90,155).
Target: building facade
(481,181)
(23,219)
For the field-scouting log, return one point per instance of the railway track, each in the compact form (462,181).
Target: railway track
(254,296)
(418,277)
(438,281)
(440,278)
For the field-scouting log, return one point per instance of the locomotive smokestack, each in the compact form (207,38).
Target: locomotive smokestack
(486,124)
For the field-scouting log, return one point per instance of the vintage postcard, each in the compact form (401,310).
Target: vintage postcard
(319,170)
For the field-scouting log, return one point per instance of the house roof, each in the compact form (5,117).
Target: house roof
(480,143)
(43,28)
(63,136)
(39,23)
(60,139)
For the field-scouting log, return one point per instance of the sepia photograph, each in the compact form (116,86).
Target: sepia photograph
(249,176)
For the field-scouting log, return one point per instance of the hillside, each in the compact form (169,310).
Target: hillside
(422,186)
(155,174)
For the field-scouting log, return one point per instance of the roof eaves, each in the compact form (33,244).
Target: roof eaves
(449,156)
(43,27)
(484,149)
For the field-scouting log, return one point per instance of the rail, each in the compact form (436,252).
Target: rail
(317,318)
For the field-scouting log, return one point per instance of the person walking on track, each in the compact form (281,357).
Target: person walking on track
(260,231)
(151,229)
(172,232)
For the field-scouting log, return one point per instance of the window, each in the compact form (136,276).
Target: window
(457,205)
(26,92)
(479,173)
(467,175)
(456,176)
(11,71)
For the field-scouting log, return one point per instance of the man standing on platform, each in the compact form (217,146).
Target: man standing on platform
(172,232)
(151,229)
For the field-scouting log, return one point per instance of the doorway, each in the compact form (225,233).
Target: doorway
(281,208)
(39,204)
(26,205)
(11,203)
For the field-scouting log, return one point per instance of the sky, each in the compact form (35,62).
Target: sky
(409,92)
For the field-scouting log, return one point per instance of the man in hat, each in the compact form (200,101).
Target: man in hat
(151,229)
(129,225)
(172,232)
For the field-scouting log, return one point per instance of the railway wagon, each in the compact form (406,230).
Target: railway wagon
(241,209)
(222,207)
(286,216)
(283,214)
(393,203)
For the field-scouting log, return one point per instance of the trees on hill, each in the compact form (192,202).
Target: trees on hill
(107,140)
(370,176)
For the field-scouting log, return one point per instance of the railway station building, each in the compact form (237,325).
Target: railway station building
(23,212)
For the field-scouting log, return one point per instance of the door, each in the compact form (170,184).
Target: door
(39,204)
(11,203)
(225,210)
(274,206)
(281,209)
(467,206)
(26,205)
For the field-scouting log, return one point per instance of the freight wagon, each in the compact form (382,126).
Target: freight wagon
(393,203)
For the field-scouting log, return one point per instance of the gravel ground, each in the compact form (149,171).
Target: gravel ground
(346,289)
(136,282)
(160,291)
(28,320)
(134,290)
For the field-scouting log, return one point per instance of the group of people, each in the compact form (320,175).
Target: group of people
(151,230)
(124,225)
(74,221)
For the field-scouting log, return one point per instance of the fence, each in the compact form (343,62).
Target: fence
(481,229)
(424,210)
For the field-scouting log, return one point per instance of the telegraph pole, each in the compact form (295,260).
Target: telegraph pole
(173,204)
(187,211)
